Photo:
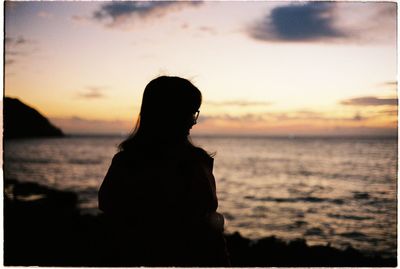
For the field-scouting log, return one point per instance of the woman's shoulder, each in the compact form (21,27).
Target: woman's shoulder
(122,157)
(200,152)
(119,156)
(203,156)
(177,153)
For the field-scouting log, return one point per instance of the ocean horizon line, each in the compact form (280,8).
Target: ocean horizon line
(245,136)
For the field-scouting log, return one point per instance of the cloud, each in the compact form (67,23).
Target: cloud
(299,122)
(77,124)
(78,18)
(211,30)
(241,103)
(328,21)
(390,83)
(21,41)
(390,112)
(280,117)
(298,22)
(11,4)
(10,61)
(45,15)
(17,41)
(207,29)
(313,116)
(250,117)
(16,47)
(370,101)
(358,117)
(81,20)
(92,93)
(119,13)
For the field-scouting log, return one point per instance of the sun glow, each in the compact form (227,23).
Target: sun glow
(255,77)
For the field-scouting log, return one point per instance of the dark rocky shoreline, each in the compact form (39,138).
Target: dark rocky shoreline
(43,227)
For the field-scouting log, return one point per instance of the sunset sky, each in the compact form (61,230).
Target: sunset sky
(269,68)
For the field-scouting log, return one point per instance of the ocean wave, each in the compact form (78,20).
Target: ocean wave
(83,161)
(349,217)
(30,160)
(354,235)
(297,224)
(309,199)
(314,231)
(360,195)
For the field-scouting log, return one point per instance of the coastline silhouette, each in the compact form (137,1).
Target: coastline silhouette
(23,121)
(159,194)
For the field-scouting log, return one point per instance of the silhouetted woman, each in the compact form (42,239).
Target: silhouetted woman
(159,192)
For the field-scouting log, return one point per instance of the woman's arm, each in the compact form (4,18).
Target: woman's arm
(108,195)
(200,199)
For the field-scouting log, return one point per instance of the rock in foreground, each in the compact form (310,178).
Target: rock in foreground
(43,227)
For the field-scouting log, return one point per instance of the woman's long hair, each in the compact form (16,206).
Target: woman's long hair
(168,106)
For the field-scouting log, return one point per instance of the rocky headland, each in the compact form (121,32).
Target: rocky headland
(23,121)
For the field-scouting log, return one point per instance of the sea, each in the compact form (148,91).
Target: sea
(337,191)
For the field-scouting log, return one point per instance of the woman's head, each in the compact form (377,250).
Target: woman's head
(169,106)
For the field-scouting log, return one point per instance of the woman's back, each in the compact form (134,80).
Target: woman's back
(158,178)
(160,198)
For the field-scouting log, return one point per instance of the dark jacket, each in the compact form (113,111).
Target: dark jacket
(160,203)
